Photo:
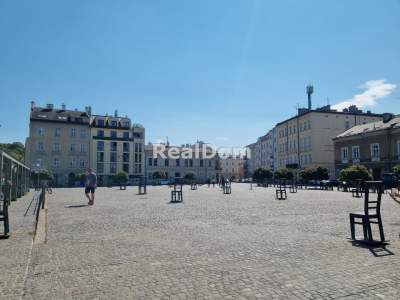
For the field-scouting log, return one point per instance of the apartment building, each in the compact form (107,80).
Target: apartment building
(375,145)
(116,146)
(177,161)
(262,154)
(59,141)
(232,166)
(67,142)
(306,139)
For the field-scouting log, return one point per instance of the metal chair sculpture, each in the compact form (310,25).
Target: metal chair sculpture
(122,186)
(371,213)
(227,187)
(176,193)
(357,191)
(4,203)
(280,192)
(293,187)
(142,187)
(193,186)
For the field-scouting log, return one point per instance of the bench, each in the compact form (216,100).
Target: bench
(4,214)
(280,192)
(371,213)
(176,193)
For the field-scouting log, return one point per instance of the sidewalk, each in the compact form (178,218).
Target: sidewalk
(16,250)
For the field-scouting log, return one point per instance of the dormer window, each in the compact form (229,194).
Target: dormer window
(125,124)
(114,123)
(100,122)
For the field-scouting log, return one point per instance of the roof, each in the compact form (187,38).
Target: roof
(330,112)
(59,115)
(370,127)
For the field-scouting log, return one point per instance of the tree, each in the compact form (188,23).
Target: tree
(189,176)
(355,172)
(396,170)
(261,174)
(159,175)
(120,177)
(16,150)
(315,173)
(283,174)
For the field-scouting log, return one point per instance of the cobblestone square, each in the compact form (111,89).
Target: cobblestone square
(246,245)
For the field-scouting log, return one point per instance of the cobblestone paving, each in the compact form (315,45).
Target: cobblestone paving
(246,245)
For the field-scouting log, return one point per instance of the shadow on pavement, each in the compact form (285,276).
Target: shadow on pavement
(76,206)
(378,250)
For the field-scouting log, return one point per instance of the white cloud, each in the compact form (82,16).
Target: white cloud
(374,91)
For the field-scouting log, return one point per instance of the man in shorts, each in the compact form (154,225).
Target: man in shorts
(90,185)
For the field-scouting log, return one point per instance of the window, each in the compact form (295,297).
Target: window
(113,157)
(113,134)
(155,162)
(113,146)
(100,122)
(56,162)
(82,163)
(201,163)
(150,161)
(113,168)
(40,146)
(398,150)
(125,124)
(125,168)
(40,132)
(209,163)
(100,168)
(125,157)
(355,153)
(72,148)
(375,152)
(186,163)
(100,133)
(309,159)
(191,162)
(83,148)
(100,146)
(73,132)
(178,162)
(166,162)
(56,147)
(125,147)
(72,162)
(126,135)
(100,156)
(57,132)
(114,123)
(83,133)
(344,154)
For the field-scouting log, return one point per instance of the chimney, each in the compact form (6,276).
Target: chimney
(49,106)
(310,90)
(116,113)
(386,117)
(63,107)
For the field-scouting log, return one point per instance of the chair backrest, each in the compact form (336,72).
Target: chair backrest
(373,206)
(178,187)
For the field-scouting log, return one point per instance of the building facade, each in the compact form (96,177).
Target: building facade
(183,160)
(375,145)
(116,146)
(58,141)
(306,139)
(232,167)
(67,142)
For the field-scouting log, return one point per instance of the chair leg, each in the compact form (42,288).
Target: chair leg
(369,229)
(381,233)
(352,229)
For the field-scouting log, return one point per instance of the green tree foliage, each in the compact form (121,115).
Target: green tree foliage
(159,175)
(396,170)
(315,173)
(355,172)
(120,177)
(43,175)
(16,150)
(283,174)
(190,176)
(261,174)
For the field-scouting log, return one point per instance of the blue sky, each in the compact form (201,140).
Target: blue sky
(221,71)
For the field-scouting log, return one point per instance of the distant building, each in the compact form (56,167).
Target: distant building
(375,145)
(116,146)
(232,167)
(58,141)
(180,165)
(306,139)
(67,142)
